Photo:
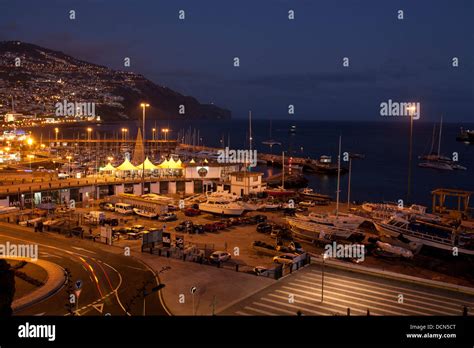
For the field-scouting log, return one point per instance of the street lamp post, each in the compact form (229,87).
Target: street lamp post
(351,156)
(144,106)
(322,278)
(56,131)
(30,157)
(411,110)
(165,131)
(89,147)
(69,165)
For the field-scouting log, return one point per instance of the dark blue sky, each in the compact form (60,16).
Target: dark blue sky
(282,62)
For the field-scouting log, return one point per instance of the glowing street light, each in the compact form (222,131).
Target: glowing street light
(165,131)
(411,110)
(30,157)
(89,131)
(56,131)
(325,256)
(124,133)
(143,106)
(69,164)
(29,141)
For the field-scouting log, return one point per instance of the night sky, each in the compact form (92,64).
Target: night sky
(282,61)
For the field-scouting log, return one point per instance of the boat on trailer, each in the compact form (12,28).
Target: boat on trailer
(145,213)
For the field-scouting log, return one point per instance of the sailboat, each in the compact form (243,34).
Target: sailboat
(343,222)
(436,160)
(281,191)
(270,142)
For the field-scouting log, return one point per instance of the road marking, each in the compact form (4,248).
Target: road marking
(381,295)
(274,308)
(304,304)
(46,255)
(140,269)
(99,307)
(359,300)
(77,248)
(259,311)
(398,289)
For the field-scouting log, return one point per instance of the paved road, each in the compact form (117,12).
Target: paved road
(110,279)
(344,289)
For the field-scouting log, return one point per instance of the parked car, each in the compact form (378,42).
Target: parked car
(281,232)
(234,220)
(287,258)
(198,229)
(220,225)
(210,228)
(137,228)
(282,249)
(172,207)
(185,226)
(306,204)
(109,221)
(192,212)
(76,231)
(264,227)
(219,256)
(261,271)
(295,247)
(168,217)
(107,206)
(122,230)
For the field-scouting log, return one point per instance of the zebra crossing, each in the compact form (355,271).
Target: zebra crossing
(342,290)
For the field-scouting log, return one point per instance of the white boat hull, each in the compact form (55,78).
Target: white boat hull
(392,231)
(217,209)
(146,214)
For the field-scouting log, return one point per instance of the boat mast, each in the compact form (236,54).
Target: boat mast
(439,140)
(432,139)
(250,130)
(250,148)
(283,169)
(338,177)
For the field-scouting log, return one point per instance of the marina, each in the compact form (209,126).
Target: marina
(179,168)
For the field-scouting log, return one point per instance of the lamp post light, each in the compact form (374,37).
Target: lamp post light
(411,110)
(30,157)
(69,164)
(144,106)
(325,256)
(165,131)
(56,132)
(153,133)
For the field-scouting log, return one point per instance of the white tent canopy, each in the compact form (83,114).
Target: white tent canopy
(148,165)
(108,168)
(127,166)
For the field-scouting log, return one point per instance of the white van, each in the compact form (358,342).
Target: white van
(123,208)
